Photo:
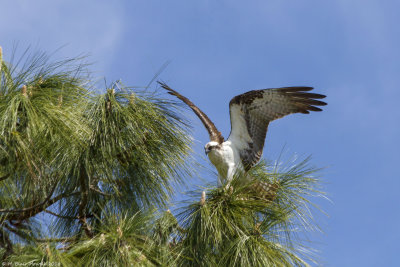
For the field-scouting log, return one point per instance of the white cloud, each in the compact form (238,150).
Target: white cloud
(93,27)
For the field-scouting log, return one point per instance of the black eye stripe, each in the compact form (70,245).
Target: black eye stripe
(211,147)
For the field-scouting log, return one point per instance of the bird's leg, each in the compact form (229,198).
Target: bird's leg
(230,173)
(229,177)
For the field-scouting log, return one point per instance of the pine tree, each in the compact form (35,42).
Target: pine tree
(86,176)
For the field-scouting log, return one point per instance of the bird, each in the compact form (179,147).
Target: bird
(250,115)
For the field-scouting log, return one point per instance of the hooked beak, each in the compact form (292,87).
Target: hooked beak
(206,150)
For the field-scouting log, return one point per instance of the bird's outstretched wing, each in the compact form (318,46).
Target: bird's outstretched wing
(215,135)
(251,113)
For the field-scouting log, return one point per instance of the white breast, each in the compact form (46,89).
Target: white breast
(226,160)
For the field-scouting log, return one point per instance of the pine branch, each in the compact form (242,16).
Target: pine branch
(40,240)
(92,188)
(35,206)
(66,217)
(83,202)
(4,177)
(32,211)
(17,232)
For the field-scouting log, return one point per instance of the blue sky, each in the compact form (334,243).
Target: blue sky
(348,50)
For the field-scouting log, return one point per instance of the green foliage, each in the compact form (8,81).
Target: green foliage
(122,240)
(71,153)
(98,166)
(39,255)
(237,226)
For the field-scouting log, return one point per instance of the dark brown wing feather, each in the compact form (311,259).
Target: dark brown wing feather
(215,135)
(251,113)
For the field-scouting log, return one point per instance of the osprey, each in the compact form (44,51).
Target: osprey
(250,115)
